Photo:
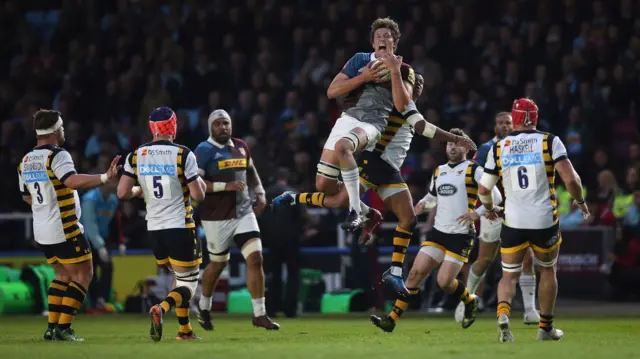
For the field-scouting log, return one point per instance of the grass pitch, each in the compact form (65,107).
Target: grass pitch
(417,336)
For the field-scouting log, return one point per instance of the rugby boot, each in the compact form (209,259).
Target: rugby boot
(204,318)
(68,335)
(265,322)
(50,334)
(553,334)
(504,330)
(157,317)
(287,198)
(353,222)
(371,225)
(531,317)
(470,312)
(396,282)
(385,323)
(187,336)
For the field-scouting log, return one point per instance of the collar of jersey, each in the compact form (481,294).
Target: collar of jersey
(454,165)
(219,145)
(515,133)
(45,147)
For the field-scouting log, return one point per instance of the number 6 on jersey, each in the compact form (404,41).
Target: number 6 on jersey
(524,179)
(160,186)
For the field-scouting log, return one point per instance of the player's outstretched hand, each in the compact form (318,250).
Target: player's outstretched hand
(585,210)
(420,207)
(113,168)
(467,143)
(392,61)
(468,218)
(235,186)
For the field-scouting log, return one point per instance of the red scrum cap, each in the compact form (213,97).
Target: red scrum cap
(162,122)
(524,112)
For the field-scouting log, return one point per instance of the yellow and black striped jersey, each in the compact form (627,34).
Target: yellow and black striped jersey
(395,139)
(164,170)
(55,207)
(455,187)
(525,160)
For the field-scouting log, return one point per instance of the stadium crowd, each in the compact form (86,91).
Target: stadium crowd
(106,65)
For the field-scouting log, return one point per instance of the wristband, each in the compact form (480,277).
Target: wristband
(104,178)
(579,201)
(219,186)
(259,190)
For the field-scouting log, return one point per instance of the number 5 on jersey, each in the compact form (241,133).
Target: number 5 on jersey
(160,186)
(524,178)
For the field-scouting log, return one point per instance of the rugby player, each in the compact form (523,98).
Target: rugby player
(227,215)
(526,161)
(379,167)
(48,181)
(453,191)
(489,238)
(168,177)
(361,123)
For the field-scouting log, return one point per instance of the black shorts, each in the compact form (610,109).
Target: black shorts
(455,245)
(177,246)
(377,174)
(74,250)
(540,240)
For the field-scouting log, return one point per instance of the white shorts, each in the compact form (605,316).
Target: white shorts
(220,234)
(489,230)
(347,123)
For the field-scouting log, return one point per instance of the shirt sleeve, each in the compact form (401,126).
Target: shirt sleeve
(477,174)
(481,155)
(128,166)
(558,151)
(408,75)
(21,185)
(490,166)
(62,166)
(202,157)
(191,168)
(353,66)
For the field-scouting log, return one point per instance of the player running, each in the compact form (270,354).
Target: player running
(379,167)
(453,190)
(48,181)
(227,215)
(526,161)
(490,239)
(168,177)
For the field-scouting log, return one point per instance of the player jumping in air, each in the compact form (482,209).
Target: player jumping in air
(526,161)
(227,215)
(379,167)
(490,239)
(48,181)
(168,177)
(453,190)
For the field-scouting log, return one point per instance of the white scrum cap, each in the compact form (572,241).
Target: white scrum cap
(219,113)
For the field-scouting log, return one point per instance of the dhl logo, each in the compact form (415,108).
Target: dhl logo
(232,163)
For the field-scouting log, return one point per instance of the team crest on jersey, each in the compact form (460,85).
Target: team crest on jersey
(460,172)
(507,143)
(447,190)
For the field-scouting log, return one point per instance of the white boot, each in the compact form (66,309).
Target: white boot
(504,330)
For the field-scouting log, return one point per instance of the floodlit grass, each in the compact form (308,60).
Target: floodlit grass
(418,336)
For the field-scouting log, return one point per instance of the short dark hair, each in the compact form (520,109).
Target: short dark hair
(459,132)
(385,23)
(44,119)
(503,113)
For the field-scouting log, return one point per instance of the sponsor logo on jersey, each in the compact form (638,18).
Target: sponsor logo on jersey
(447,190)
(152,152)
(232,163)
(521,159)
(460,172)
(35,176)
(33,167)
(156,170)
(33,158)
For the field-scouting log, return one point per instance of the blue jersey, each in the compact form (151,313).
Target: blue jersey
(353,68)
(481,155)
(98,211)
(224,163)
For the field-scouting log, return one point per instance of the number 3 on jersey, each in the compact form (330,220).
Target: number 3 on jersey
(159,186)
(524,178)
(40,194)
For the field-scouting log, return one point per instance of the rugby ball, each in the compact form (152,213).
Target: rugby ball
(385,74)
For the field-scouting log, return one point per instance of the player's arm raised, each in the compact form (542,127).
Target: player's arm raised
(430,130)
(126,186)
(569,176)
(63,168)
(349,79)
(401,91)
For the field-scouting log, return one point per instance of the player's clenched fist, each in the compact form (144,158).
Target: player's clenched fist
(235,186)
